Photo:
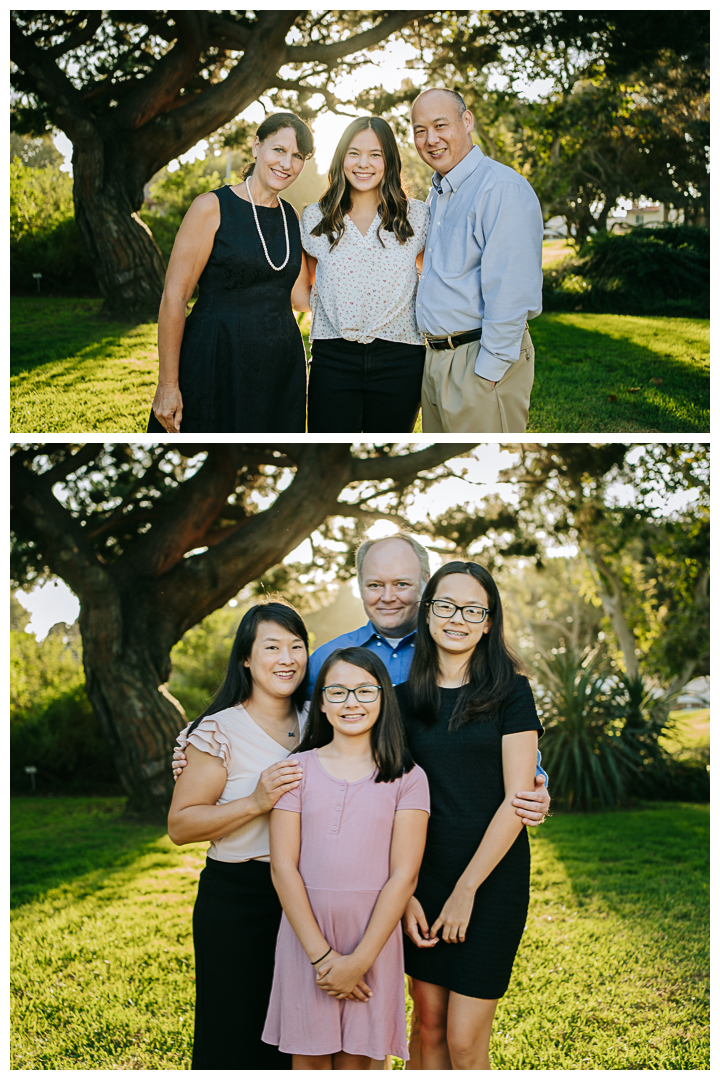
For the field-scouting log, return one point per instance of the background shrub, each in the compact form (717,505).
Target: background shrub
(52,724)
(602,730)
(43,235)
(646,271)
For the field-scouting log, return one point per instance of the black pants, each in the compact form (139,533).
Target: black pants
(235,925)
(373,387)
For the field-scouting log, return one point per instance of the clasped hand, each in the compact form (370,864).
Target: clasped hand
(341,977)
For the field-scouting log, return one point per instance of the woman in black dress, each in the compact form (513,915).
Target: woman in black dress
(472,726)
(237,362)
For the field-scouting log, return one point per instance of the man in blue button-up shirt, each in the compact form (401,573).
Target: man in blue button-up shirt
(392,574)
(481,279)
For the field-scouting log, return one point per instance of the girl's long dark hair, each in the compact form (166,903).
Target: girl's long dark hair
(387,737)
(237,685)
(491,668)
(337,199)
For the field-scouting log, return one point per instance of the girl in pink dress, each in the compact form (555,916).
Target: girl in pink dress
(345,850)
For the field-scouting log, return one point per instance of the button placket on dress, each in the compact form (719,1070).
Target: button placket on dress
(339,800)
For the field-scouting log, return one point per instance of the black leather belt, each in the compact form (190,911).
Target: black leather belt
(452,341)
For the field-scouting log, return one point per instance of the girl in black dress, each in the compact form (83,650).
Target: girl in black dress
(237,362)
(472,726)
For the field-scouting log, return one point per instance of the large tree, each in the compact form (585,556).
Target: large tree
(133,90)
(153,539)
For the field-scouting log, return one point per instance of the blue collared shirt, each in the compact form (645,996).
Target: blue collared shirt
(483,259)
(397,659)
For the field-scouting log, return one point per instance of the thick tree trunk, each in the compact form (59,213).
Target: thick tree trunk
(139,718)
(128,263)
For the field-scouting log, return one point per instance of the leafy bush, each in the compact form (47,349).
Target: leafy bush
(602,730)
(64,742)
(52,724)
(43,235)
(645,271)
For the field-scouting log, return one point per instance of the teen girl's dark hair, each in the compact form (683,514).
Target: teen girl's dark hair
(337,199)
(387,737)
(237,686)
(276,122)
(491,668)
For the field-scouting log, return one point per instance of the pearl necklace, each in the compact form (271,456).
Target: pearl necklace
(262,238)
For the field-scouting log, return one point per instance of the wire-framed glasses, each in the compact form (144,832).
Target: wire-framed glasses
(364,694)
(471,613)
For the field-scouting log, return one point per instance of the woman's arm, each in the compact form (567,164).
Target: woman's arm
(194,815)
(339,974)
(190,253)
(519,754)
(300,295)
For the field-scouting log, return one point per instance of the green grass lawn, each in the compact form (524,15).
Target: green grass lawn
(612,972)
(74,371)
(596,372)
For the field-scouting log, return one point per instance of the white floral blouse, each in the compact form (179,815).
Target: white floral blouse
(363,290)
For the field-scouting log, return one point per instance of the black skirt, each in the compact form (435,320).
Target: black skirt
(235,926)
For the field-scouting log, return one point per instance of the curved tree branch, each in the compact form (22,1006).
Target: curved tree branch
(331,53)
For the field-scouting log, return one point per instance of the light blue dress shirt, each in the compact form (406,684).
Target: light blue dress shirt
(397,659)
(483,259)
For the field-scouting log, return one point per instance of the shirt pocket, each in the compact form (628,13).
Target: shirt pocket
(451,254)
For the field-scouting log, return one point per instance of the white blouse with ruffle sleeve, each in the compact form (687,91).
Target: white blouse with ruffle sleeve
(245,750)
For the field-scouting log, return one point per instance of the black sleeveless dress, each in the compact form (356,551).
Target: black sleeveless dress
(242,360)
(464,771)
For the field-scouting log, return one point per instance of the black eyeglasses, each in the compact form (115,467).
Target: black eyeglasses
(364,694)
(471,613)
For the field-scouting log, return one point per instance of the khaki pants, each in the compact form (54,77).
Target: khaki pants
(454,398)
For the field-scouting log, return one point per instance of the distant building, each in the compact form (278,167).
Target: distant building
(695,694)
(555,228)
(621,219)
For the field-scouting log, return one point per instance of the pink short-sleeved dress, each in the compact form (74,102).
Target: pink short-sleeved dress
(346,832)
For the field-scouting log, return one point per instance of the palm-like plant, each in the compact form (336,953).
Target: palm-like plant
(601,728)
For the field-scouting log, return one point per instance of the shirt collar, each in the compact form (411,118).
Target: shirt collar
(460,173)
(377,633)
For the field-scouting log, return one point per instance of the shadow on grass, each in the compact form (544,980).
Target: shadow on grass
(57,840)
(591,379)
(47,330)
(653,857)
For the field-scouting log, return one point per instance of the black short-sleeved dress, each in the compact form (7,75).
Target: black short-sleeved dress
(242,360)
(464,770)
